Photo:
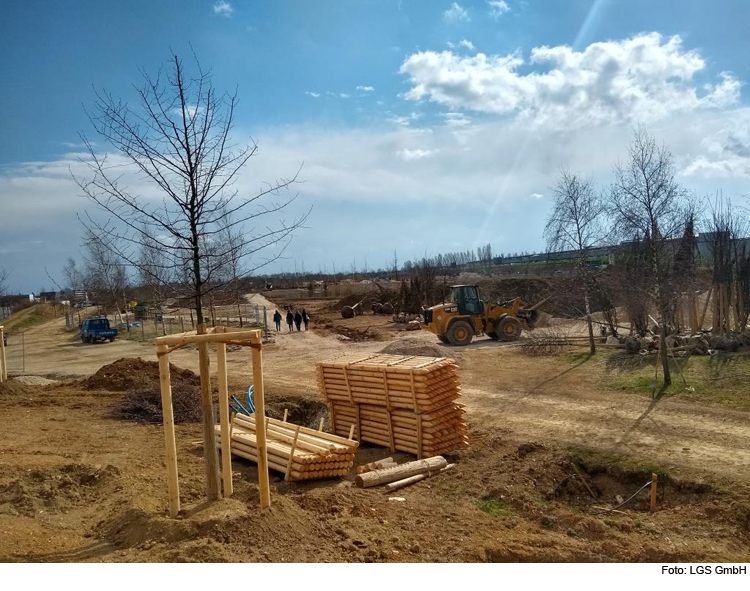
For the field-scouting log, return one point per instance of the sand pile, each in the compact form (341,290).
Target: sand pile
(129,373)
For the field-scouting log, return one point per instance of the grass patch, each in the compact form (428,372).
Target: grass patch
(30,317)
(719,378)
(495,507)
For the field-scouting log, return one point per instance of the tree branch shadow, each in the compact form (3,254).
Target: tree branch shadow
(655,400)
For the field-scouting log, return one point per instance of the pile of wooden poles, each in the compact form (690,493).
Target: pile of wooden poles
(405,403)
(300,453)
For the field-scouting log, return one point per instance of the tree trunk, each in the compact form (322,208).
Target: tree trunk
(663,349)
(592,341)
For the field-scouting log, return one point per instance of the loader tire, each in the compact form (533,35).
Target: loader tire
(443,339)
(493,335)
(508,329)
(460,333)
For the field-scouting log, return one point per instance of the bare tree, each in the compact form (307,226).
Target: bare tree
(179,140)
(104,272)
(576,223)
(648,204)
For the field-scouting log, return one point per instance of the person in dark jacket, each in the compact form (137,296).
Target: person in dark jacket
(277,320)
(305,317)
(298,320)
(290,320)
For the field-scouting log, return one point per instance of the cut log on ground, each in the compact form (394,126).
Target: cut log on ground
(376,477)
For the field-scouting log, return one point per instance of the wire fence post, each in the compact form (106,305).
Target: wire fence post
(265,321)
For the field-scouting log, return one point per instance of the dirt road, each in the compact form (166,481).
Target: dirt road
(501,389)
(569,408)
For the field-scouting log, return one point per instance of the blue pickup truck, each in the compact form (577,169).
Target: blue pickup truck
(97,329)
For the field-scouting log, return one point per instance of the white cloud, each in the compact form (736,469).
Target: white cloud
(365,88)
(344,95)
(642,78)
(223,8)
(497,8)
(453,119)
(463,43)
(415,154)
(456,13)
(536,196)
(312,94)
(724,153)
(404,120)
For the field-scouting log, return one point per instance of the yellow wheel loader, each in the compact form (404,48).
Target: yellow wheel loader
(465,316)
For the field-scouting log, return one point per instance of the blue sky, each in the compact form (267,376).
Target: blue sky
(424,126)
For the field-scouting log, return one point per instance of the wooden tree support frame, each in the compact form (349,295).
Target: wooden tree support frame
(220,336)
(3,362)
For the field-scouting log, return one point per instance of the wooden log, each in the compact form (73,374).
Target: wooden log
(210,336)
(173,485)
(211,459)
(393,486)
(226,439)
(376,465)
(322,435)
(400,472)
(323,442)
(260,412)
(288,436)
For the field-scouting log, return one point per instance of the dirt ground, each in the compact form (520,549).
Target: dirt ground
(77,484)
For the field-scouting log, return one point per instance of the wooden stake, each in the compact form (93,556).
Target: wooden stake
(654,479)
(291,453)
(260,428)
(173,486)
(320,425)
(286,415)
(351,431)
(226,437)
(213,488)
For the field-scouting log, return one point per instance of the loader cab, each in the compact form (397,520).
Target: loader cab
(467,299)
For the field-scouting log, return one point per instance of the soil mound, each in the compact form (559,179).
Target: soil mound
(133,372)
(56,490)
(13,387)
(412,346)
(143,404)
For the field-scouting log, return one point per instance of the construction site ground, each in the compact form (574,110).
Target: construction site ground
(77,483)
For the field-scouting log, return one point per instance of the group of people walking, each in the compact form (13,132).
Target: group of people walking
(292,319)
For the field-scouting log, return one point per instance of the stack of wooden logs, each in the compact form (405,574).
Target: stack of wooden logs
(405,403)
(300,453)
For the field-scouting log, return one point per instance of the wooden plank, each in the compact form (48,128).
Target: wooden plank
(173,485)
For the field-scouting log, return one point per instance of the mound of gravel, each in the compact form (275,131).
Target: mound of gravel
(133,372)
(412,346)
